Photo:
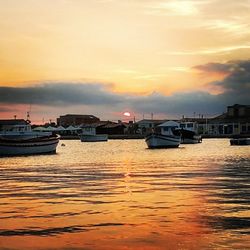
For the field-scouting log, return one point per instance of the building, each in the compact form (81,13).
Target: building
(6,125)
(76,120)
(111,128)
(199,125)
(235,121)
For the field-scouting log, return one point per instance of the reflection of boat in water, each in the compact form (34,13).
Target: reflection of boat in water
(165,135)
(21,140)
(189,134)
(89,135)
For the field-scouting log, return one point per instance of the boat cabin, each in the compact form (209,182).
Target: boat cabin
(191,126)
(167,128)
(8,125)
(20,128)
(88,130)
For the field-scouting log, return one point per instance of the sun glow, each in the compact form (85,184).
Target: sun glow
(126,114)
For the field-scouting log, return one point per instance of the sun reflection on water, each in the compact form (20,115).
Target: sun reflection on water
(120,195)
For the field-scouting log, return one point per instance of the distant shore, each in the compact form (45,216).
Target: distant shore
(112,137)
(139,136)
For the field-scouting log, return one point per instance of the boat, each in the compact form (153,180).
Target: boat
(89,135)
(189,133)
(165,135)
(240,141)
(21,140)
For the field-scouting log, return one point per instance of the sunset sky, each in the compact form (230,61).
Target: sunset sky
(105,57)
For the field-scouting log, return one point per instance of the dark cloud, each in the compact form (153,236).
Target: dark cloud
(60,94)
(6,109)
(236,87)
(179,103)
(236,84)
(216,67)
(238,81)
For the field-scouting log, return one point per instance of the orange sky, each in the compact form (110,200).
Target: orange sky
(132,46)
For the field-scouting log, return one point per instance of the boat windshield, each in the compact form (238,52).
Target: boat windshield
(20,128)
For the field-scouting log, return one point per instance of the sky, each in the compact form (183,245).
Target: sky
(105,57)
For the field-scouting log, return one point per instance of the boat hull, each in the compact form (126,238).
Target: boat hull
(94,138)
(189,137)
(162,141)
(28,147)
(240,141)
(192,140)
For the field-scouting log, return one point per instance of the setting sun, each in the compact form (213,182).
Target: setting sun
(126,113)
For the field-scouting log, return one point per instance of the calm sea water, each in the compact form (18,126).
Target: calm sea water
(121,195)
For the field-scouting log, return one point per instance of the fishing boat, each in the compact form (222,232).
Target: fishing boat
(165,135)
(240,141)
(21,140)
(189,134)
(89,135)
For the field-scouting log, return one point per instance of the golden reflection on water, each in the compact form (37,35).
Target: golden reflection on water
(121,195)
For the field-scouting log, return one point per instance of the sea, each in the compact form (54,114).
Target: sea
(121,195)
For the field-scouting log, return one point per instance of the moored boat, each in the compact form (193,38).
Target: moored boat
(93,138)
(165,135)
(240,141)
(21,140)
(189,137)
(89,135)
(189,133)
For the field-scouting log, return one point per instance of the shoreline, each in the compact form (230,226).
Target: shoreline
(139,136)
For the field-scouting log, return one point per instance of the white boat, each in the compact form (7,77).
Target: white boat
(165,135)
(21,140)
(89,135)
(189,133)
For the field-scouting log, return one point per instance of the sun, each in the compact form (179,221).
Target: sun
(126,113)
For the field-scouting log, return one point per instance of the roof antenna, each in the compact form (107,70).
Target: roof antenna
(28,117)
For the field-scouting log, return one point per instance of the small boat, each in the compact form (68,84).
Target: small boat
(240,141)
(188,133)
(189,137)
(21,140)
(89,135)
(165,135)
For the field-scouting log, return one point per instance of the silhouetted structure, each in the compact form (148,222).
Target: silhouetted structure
(111,128)
(235,121)
(72,119)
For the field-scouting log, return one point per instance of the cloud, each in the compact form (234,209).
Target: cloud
(237,80)
(179,103)
(216,67)
(210,51)
(175,8)
(98,99)
(6,109)
(60,94)
(236,84)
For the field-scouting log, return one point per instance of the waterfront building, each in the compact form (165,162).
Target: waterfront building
(235,121)
(76,120)
(111,128)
